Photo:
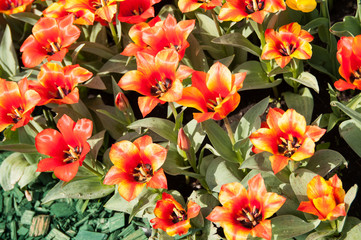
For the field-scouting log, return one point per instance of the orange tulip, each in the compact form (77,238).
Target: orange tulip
(349,56)
(236,10)
(17,102)
(192,5)
(50,40)
(58,84)
(244,211)
(287,137)
(172,217)
(289,42)
(213,93)
(157,78)
(326,198)
(14,6)
(136,164)
(136,11)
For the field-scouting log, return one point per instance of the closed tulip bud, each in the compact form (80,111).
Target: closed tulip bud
(121,102)
(183,141)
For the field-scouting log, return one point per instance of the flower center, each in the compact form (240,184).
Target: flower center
(254,6)
(287,49)
(248,218)
(16,114)
(99,4)
(211,104)
(161,87)
(138,11)
(202,1)
(11,4)
(73,154)
(53,47)
(178,215)
(288,147)
(356,75)
(143,173)
(62,92)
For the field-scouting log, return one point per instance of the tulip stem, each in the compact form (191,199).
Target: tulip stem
(92,170)
(216,22)
(114,33)
(171,105)
(233,141)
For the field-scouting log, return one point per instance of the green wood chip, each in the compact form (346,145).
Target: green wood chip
(23,231)
(116,222)
(62,209)
(86,235)
(137,235)
(27,217)
(55,234)
(127,231)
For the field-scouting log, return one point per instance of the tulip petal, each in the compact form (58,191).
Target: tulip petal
(308,207)
(232,191)
(114,176)
(155,154)
(272,202)
(318,187)
(50,142)
(128,188)
(292,123)
(125,155)
(263,230)
(49,164)
(278,162)
(147,104)
(67,172)
(158,180)
(306,150)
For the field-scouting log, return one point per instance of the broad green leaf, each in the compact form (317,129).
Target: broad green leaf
(247,122)
(321,21)
(8,57)
(302,103)
(238,40)
(22,148)
(162,127)
(351,113)
(289,226)
(206,24)
(90,187)
(258,161)
(349,197)
(322,61)
(95,83)
(195,133)
(11,170)
(195,55)
(95,143)
(27,17)
(299,180)
(118,64)
(349,27)
(350,130)
(220,140)
(95,48)
(29,175)
(225,61)
(324,161)
(256,77)
(308,80)
(220,172)
(279,70)
(352,229)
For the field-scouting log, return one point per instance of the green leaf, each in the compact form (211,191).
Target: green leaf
(308,80)
(8,57)
(206,24)
(95,143)
(162,127)
(195,133)
(220,172)
(349,197)
(27,17)
(247,122)
(279,70)
(299,180)
(11,170)
(256,77)
(259,161)
(95,48)
(195,55)
(29,175)
(349,27)
(350,130)
(90,187)
(289,226)
(321,21)
(22,148)
(322,61)
(352,229)
(220,140)
(118,64)
(351,113)
(238,40)
(324,161)
(302,103)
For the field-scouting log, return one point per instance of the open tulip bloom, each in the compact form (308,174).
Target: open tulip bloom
(192,5)
(244,211)
(171,217)
(287,137)
(136,165)
(326,198)
(67,147)
(14,6)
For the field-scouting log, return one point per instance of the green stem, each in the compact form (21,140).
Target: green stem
(92,170)
(35,126)
(233,141)
(192,159)
(333,224)
(262,37)
(171,105)
(114,33)
(216,22)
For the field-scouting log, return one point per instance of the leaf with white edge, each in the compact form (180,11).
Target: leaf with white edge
(302,103)
(11,170)
(80,188)
(236,39)
(295,226)
(349,197)
(324,161)
(299,180)
(220,140)
(349,27)
(9,61)
(350,130)
(351,113)
(162,127)
(29,175)
(247,122)
(256,77)
(220,172)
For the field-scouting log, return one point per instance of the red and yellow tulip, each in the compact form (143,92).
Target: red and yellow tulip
(287,137)
(50,40)
(213,93)
(289,42)
(326,198)
(257,10)
(136,164)
(349,56)
(58,84)
(17,102)
(171,217)
(244,211)
(158,78)
(14,6)
(136,11)
(67,147)
(192,5)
